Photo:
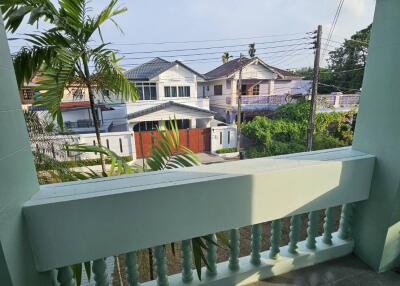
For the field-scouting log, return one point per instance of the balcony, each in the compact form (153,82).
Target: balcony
(45,230)
(71,223)
(85,126)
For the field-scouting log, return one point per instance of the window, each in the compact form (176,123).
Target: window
(27,93)
(120,145)
(184,91)
(218,89)
(244,89)
(145,126)
(229,137)
(77,94)
(147,90)
(182,124)
(256,89)
(228,84)
(167,91)
(174,91)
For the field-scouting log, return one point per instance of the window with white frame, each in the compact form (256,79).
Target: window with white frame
(175,91)
(147,90)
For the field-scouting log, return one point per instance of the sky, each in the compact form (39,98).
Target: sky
(197,32)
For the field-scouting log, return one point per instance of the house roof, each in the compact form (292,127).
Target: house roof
(153,68)
(232,66)
(163,106)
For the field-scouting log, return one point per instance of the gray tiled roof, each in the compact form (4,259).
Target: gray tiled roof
(227,68)
(149,69)
(232,66)
(153,68)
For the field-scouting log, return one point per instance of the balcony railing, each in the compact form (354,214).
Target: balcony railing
(75,222)
(343,100)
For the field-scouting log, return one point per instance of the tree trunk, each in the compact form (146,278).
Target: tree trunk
(96,128)
(94,113)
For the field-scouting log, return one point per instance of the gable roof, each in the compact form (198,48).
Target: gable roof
(232,66)
(163,106)
(153,68)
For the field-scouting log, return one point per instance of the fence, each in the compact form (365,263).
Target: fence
(196,139)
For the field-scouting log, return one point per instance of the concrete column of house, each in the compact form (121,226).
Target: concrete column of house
(271,87)
(192,123)
(18,181)
(337,101)
(376,223)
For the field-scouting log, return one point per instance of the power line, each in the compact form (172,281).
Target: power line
(339,87)
(343,71)
(206,59)
(213,47)
(333,26)
(217,52)
(207,40)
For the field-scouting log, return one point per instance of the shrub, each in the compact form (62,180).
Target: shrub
(226,150)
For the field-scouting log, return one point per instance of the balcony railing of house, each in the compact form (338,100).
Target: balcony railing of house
(266,99)
(330,99)
(81,221)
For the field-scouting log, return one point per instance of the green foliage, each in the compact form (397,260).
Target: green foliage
(226,150)
(61,54)
(345,65)
(81,162)
(167,152)
(286,132)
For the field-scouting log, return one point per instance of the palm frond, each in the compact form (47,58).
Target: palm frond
(53,82)
(14,12)
(109,75)
(118,164)
(167,152)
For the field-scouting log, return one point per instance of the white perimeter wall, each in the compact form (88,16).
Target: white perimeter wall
(222,133)
(127,140)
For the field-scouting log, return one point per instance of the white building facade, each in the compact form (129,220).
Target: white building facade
(263,88)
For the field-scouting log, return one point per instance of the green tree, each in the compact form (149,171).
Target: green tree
(350,56)
(346,64)
(286,132)
(63,54)
(252,50)
(225,57)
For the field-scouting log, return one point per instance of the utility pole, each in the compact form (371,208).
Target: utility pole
(239,105)
(313,105)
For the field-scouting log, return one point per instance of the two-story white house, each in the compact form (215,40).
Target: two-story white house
(167,90)
(264,87)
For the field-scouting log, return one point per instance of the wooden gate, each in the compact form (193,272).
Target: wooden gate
(196,139)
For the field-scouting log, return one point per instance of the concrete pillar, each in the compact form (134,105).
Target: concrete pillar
(192,123)
(377,220)
(18,181)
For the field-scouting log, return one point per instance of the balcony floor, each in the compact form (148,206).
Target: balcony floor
(345,271)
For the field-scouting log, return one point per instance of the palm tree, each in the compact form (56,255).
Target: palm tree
(252,50)
(65,54)
(225,57)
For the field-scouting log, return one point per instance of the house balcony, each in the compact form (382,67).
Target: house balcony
(85,126)
(325,102)
(71,223)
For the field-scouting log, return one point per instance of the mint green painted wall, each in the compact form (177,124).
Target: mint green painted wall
(18,181)
(376,224)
